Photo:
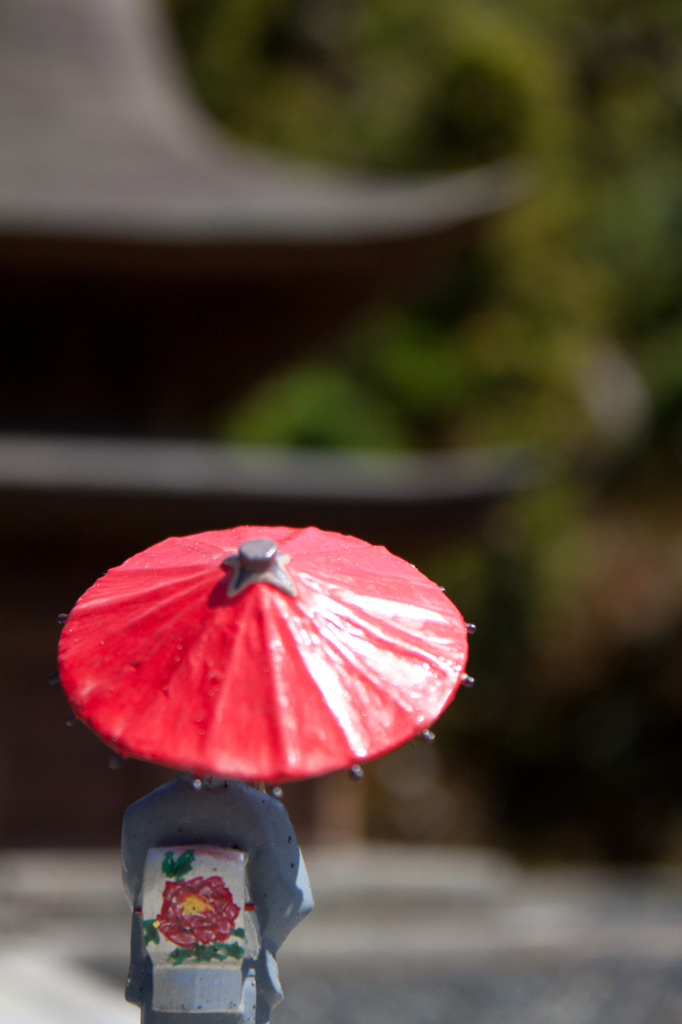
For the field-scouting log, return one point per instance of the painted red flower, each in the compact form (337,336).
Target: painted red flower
(200,910)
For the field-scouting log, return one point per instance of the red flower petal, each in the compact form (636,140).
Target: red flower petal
(200,910)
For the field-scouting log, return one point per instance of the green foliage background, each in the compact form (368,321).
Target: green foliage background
(562,327)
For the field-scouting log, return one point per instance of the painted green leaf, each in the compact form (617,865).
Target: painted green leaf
(178,956)
(173,868)
(151,931)
(233,950)
(204,954)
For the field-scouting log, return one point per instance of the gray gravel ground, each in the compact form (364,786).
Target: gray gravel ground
(506,991)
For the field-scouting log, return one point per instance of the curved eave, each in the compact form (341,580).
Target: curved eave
(335,210)
(102,142)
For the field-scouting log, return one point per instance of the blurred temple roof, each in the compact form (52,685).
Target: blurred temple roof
(162,260)
(148,486)
(100,137)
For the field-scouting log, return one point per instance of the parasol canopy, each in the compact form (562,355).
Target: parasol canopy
(262,653)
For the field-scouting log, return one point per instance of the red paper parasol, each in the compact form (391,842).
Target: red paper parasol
(261,653)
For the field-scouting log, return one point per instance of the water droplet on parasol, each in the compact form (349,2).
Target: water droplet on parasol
(115,761)
(277,792)
(61,618)
(356,773)
(471,628)
(468,681)
(71,720)
(428,735)
(197,784)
